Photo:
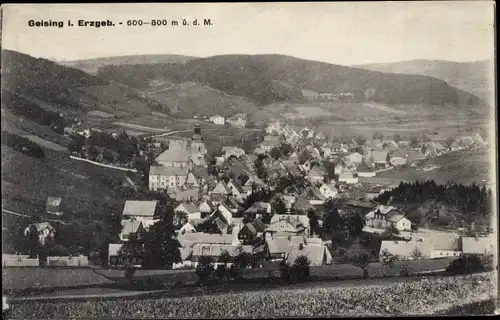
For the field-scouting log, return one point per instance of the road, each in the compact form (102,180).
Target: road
(26,216)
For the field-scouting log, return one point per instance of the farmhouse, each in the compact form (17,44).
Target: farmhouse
(378,158)
(397,158)
(221,188)
(239,120)
(217,119)
(276,248)
(232,151)
(314,249)
(366,171)
(43,230)
(348,177)
(354,158)
(130,227)
(140,210)
(384,216)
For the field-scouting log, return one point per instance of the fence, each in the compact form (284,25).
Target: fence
(102,164)
(12,260)
(79,261)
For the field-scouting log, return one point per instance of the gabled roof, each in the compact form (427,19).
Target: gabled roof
(363,167)
(189,239)
(314,253)
(315,171)
(257,207)
(302,204)
(258,225)
(282,244)
(130,226)
(397,154)
(394,216)
(173,156)
(42,226)
(314,192)
(184,195)
(215,250)
(190,207)
(379,156)
(281,226)
(167,171)
(236,186)
(139,208)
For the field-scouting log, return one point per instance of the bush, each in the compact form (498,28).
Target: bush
(129,272)
(301,266)
(205,268)
(470,264)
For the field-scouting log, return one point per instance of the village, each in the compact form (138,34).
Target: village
(275,202)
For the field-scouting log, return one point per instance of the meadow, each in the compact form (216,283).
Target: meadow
(408,297)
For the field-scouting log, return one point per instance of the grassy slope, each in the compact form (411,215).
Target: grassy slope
(269,78)
(28,181)
(473,77)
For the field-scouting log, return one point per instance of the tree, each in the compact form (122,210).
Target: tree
(301,264)
(361,258)
(180,219)
(131,254)
(448,142)
(392,230)
(241,262)
(223,260)
(360,141)
(205,268)
(378,135)
(417,254)
(387,259)
(108,156)
(313,222)
(304,156)
(414,142)
(275,153)
(397,137)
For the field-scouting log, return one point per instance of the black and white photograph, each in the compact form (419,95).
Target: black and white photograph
(249,160)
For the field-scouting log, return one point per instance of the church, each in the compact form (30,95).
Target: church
(185,153)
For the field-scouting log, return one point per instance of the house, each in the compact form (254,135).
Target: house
(140,210)
(314,196)
(225,212)
(316,175)
(191,194)
(294,157)
(215,250)
(328,190)
(355,158)
(366,171)
(284,227)
(348,177)
(221,188)
(384,216)
(274,128)
(53,206)
(232,151)
(251,231)
(259,207)
(236,190)
(479,141)
(43,230)
(113,249)
(397,158)
(338,147)
(189,227)
(239,120)
(188,241)
(455,146)
(205,208)
(300,222)
(217,119)
(129,227)
(269,143)
(197,177)
(163,178)
(389,145)
(479,245)
(232,204)
(277,248)
(442,244)
(302,205)
(406,250)
(378,158)
(314,249)
(191,209)
(417,156)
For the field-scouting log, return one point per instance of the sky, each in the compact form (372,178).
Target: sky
(341,33)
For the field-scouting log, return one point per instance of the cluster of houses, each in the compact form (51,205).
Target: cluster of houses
(238,120)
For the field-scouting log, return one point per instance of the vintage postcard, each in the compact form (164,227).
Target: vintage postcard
(249,160)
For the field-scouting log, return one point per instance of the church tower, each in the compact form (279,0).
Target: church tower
(197,148)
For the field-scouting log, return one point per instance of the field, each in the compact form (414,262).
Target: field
(190,99)
(408,297)
(45,143)
(462,166)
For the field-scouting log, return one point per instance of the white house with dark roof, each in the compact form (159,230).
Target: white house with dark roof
(236,190)
(384,216)
(217,119)
(162,178)
(328,190)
